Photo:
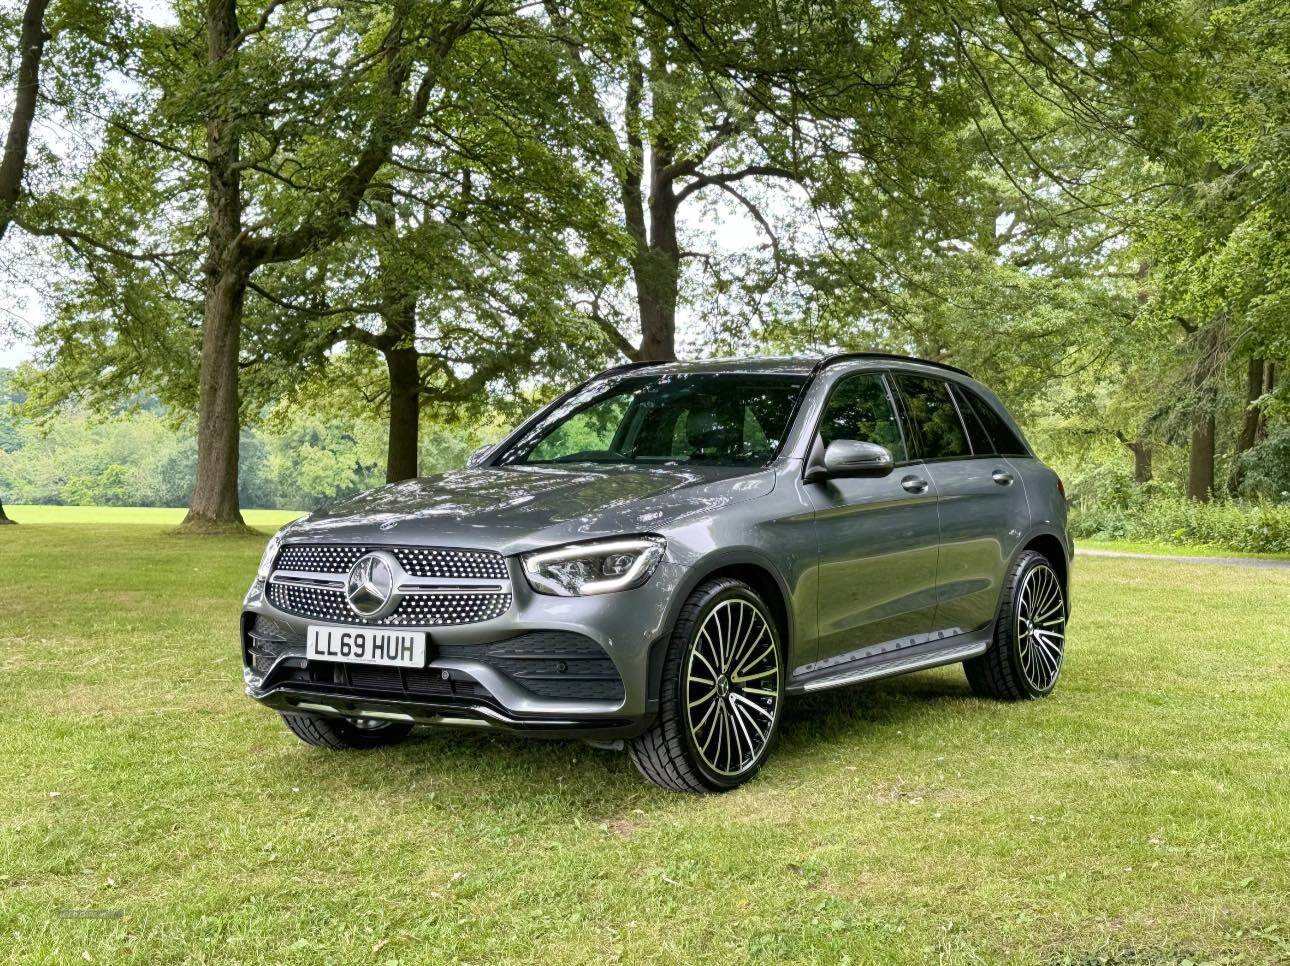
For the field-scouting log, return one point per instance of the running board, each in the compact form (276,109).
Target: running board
(891,665)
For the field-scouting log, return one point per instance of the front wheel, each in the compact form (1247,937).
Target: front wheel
(344,734)
(1025,658)
(721,696)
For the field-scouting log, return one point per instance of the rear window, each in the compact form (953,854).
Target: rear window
(1003,440)
(934,417)
(982,444)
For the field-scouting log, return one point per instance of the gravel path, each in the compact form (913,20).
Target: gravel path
(1256,562)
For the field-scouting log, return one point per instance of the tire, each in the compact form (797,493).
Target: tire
(344,734)
(717,719)
(1025,659)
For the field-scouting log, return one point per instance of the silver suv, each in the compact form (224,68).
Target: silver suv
(657,560)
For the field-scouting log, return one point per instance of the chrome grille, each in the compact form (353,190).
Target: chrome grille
(328,558)
(451,586)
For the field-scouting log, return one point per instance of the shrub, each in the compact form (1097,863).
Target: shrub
(1264,471)
(1249,527)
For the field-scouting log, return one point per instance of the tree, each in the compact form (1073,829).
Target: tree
(872,126)
(298,111)
(1217,246)
(82,37)
(457,273)
(413,37)
(13,165)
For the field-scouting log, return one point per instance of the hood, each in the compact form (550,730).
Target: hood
(517,508)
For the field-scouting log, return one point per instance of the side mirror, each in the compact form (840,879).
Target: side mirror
(849,457)
(478,457)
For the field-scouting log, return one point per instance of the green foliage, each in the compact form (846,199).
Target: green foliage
(1264,471)
(1258,527)
(297,460)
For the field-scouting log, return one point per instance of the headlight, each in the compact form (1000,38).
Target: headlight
(270,551)
(582,569)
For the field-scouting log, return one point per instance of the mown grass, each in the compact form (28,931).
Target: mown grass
(1140,815)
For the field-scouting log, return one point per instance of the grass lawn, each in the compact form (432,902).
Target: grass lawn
(1140,815)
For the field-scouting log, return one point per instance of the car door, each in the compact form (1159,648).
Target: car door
(983,509)
(877,535)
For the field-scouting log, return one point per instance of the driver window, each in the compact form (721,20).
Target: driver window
(860,409)
(591,431)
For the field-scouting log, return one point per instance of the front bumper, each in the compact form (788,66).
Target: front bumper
(465,683)
(459,712)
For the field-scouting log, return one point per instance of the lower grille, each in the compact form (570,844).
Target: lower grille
(551,664)
(559,665)
(393,681)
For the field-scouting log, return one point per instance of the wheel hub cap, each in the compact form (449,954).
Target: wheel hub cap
(732,687)
(1041,628)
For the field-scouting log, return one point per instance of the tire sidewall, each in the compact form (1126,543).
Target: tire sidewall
(712,598)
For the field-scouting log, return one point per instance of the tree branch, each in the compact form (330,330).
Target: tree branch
(730,177)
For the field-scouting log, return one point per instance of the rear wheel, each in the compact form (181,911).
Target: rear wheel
(345,734)
(1025,659)
(721,695)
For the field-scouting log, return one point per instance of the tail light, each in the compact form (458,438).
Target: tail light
(1061,487)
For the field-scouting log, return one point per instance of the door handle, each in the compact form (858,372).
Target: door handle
(1001,477)
(914,484)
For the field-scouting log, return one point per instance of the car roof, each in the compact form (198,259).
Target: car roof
(782,365)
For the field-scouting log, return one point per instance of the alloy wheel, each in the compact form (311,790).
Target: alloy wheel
(1041,628)
(732,687)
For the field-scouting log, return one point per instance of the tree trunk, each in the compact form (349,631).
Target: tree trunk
(1142,453)
(658,271)
(1200,455)
(1250,420)
(405,413)
(657,277)
(13,165)
(3,519)
(214,505)
(1269,386)
(215,501)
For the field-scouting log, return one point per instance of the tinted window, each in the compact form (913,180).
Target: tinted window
(980,439)
(711,418)
(860,409)
(1004,440)
(931,410)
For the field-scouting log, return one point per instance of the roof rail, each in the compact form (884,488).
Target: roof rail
(626,366)
(848,356)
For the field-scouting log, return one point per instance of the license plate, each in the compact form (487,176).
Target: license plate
(367,645)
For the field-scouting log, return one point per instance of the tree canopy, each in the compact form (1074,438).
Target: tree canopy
(432,208)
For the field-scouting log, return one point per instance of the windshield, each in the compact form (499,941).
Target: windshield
(716,419)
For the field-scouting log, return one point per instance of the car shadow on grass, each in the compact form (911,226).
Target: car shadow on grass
(571,775)
(874,707)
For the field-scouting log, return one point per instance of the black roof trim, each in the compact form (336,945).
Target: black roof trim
(626,367)
(890,356)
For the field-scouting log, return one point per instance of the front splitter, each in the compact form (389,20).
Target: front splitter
(464,714)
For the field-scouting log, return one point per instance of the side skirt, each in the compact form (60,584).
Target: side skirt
(920,657)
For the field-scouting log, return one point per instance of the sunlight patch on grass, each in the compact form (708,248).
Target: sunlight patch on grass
(268,520)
